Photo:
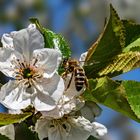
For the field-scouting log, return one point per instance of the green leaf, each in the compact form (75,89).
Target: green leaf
(111,94)
(53,40)
(108,45)
(6,119)
(122,63)
(22,132)
(92,138)
(133,94)
(132,31)
(2,137)
(134,46)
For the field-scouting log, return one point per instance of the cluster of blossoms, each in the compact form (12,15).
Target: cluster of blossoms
(34,80)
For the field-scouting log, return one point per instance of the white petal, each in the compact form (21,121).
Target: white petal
(83,58)
(99,130)
(11,111)
(53,87)
(7,41)
(48,60)
(69,129)
(14,95)
(8,62)
(9,131)
(80,129)
(27,40)
(5,62)
(62,107)
(41,127)
(56,133)
(46,128)
(49,93)
(56,113)
(44,102)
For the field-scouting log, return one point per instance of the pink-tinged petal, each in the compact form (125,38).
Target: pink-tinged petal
(14,95)
(48,60)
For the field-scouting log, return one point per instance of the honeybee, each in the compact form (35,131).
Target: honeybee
(73,67)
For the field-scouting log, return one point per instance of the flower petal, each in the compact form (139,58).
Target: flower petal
(54,87)
(14,95)
(55,133)
(64,106)
(7,41)
(45,128)
(99,130)
(49,93)
(43,102)
(48,60)
(80,129)
(27,40)
(41,127)
(8,131)
(7,57)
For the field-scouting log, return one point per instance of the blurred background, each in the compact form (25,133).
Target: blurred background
(80,22)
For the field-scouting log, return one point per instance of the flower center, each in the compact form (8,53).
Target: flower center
(27,73)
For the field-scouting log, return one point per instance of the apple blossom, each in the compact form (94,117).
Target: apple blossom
(68,120)
(33,70)
(69,128)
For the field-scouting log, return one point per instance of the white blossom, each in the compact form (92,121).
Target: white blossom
(67,122)
(33,70)
(70,101)
(69,128)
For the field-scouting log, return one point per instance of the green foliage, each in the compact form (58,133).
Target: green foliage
(111,94)
(122,63)
(134,46)
(108,45)
(22,132)
(132,31)
(53,40)
(92,138)
(2,137)
(6,119)
(132,42)
(133,95)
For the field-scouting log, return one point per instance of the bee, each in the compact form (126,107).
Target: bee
(73,67)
